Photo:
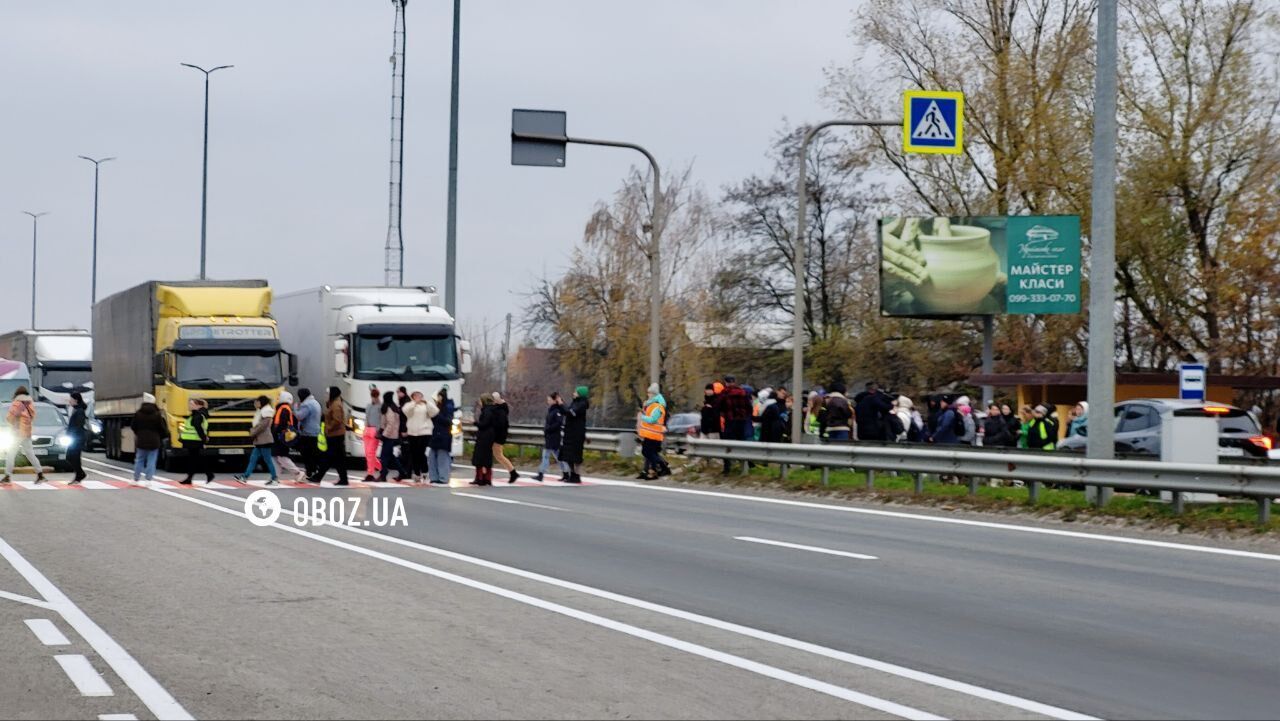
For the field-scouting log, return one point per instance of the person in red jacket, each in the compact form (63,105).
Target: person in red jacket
(735,412)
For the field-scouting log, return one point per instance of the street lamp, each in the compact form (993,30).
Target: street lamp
(538,137)
(93,283)
(35,224)
(204,188)
(802,197)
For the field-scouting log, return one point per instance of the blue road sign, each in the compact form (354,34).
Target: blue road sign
(933,122)
(1191,381)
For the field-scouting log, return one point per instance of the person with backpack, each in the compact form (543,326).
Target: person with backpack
(284,432)
(193,433)
(22,415)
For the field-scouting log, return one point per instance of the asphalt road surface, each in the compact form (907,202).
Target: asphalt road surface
(609,600)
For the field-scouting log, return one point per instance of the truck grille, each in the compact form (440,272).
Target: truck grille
(237,404)
(229,441)
(229,426)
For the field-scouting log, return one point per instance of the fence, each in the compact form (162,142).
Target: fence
(1260,483)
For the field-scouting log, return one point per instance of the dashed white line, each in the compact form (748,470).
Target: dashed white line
(83,675)
(799,547)
(48,633)
(117,717)
(507,500)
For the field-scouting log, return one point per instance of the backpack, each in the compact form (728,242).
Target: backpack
(957,424)
(286,426)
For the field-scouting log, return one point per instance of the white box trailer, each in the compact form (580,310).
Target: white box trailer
(357,338)
(60,361)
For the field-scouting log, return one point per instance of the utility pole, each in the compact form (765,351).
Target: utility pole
(93,282)
(506,345)
(35,225)
(393,265)
(451,227)
(204,184)
(1102,249)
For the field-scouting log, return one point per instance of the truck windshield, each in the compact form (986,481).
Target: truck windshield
(66,380)
(241,370)
(406,358)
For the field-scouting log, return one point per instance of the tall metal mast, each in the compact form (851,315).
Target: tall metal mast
(394,266)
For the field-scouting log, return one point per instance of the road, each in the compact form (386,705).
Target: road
(610,600)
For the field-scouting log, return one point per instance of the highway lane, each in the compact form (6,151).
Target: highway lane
(1103,628)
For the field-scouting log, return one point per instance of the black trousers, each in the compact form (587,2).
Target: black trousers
(336,458)
(417,450)
(73,455)
(310,454)
(196,462)
(652,451)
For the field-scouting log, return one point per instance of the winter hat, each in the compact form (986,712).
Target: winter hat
(905,402)
(497,397)
(1084,405)
(764,393)
(148,398)
(285,397)
(653,389)
(582,391)
(963,401)
(1042,409)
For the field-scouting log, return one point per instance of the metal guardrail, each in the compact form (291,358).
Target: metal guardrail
(1256,482)
(603,440)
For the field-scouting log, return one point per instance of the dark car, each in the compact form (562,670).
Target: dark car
(1138,428)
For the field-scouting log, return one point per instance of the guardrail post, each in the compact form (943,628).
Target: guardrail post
(871,479)
(826,476)
(1035,492)
(1264,511)
(746,467)
(919,477)
(1179,504)
(973,485)
(783,471)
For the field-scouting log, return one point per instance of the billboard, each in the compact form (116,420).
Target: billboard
(980,265)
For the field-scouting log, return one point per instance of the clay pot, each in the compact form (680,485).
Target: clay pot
(963,268)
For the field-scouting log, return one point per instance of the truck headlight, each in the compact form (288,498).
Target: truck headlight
(95,426)
(64,440)
(358,426)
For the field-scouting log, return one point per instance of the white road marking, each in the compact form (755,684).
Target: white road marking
(23,599)
(96,485)
(745,664)
(831,653)
(83,675)
(33,486)
(48,633)
(117,717)
(146,688)
(800,547)
(952,521)
(507,500)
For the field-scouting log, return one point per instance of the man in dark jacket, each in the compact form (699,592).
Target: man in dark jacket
(834,423)
(735,413)
(872,409)
(148,435)
(771,419)
(946,432)
(552,434)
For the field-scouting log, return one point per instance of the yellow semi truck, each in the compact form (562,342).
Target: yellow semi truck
(178,340)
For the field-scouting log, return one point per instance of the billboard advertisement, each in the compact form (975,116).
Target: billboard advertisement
(980,265)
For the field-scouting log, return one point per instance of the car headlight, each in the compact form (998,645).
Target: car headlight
(358,425)
(64,440)
(456,428)
(95,426)
(6,439)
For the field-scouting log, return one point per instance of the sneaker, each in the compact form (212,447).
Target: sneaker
(4,481)
(39,478)
(273,482)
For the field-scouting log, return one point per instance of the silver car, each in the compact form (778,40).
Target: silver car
(48,435)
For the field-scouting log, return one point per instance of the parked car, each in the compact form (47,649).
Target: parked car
(48,435)
(681,426)
(1138,428)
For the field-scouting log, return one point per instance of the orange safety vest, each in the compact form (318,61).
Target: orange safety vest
(654,431)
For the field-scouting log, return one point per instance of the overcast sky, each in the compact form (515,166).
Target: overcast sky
(299,132)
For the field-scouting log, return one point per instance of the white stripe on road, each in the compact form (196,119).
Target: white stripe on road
(146,688)
(96,485)
(117,717)
(952,521)
(33,486)
(48,633)
(739,662)
(83,675)
(799,547)
(507,500)
(758,634)
(23,599)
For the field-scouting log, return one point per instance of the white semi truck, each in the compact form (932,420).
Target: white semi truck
(356,338)
(60,361)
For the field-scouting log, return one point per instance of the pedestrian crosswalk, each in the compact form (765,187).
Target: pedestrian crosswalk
(112,484)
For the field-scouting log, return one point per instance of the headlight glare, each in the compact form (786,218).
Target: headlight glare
(64,440)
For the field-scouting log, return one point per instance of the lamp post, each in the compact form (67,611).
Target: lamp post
(93,282)
(35,225)
(802,198)
(204,187)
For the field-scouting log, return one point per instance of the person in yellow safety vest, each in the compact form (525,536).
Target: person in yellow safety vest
(652,427)
(1042,433)
(194,434)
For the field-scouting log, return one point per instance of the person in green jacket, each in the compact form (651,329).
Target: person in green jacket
(1024,430)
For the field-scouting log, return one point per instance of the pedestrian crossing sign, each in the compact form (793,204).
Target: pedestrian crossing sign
(933,122)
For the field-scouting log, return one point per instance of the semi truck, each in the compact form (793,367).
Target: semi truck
(60,362)
(178,340)
(13,375)
(358,338)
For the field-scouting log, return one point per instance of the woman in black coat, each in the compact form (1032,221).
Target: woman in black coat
(575,433)
(76,430)
(482,454)
(995,429)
